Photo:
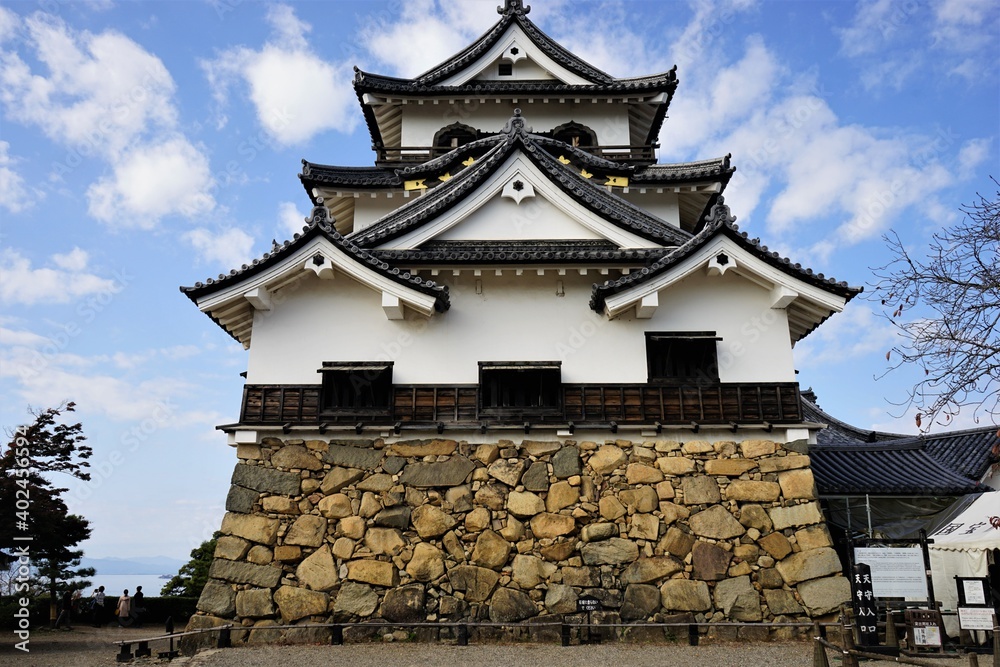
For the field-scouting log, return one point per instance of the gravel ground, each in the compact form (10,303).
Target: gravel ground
(92,647)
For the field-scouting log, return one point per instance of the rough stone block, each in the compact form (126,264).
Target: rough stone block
(510,606)
(338,478)
(824,596)
(254,603)
(375,572)
(318,571)
(806,565)
(709,562)
(805,514)
(266,480)
(308,530)
(754,449)
(217,598)
(729,467)
(261,576)
(421,448)
(241,499)
(675,465)
(431,522)
(613,551)
(700,490)
(685,595)
(606,459)
(231,548)
(295,603)
(649,570)
(491,551)
(716,522)
(640,473)
(797,484)
(440,474)
(251,527)
(295,457)
(566,463)
(551,525)
(477,582)
(743,490)
(738,599)
(781,463)
(350,456)
(537,477)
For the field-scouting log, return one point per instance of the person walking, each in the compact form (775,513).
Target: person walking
(66,609)
(124,610)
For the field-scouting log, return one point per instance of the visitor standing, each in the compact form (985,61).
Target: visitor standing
(124,610)
(98,606)
(137,608)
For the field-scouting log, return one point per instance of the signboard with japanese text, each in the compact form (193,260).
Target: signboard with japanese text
(975,618)
(896,572)
(865,605)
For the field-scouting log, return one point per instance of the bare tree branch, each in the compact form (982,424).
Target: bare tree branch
(946,308)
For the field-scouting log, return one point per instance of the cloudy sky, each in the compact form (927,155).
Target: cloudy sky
(147,145)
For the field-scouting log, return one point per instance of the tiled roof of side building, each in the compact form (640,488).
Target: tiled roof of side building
(718,221)
(515,137)
(321,225)
(969,453)
(894,469)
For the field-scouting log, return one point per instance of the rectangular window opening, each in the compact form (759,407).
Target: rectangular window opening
(683,357)
(361,388)
(506,69)
(520,389)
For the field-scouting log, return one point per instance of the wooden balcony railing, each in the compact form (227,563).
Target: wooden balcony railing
(724,403)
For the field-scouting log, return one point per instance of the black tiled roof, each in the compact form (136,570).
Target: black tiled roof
(849,460)
(314,174)
(519,252)
(718,221)
(894,469)
(513,12)
(321,225)
(516,137)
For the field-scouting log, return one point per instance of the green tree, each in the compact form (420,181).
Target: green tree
(41,529)
(946,309)
(193,575)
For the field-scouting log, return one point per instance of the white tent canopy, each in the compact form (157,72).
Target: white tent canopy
(961,548)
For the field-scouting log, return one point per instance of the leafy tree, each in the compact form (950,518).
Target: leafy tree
(193,575)
(35,452)
(946,308)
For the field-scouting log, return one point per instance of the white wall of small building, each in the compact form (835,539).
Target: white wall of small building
(422,121)
(514,318)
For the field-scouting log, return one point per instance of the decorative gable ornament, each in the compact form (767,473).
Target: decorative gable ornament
(518,189)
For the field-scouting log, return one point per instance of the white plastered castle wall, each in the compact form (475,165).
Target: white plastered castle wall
(421,122)
(514,318)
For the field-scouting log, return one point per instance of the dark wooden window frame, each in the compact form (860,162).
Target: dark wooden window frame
(520,389)
(362,388)
(682,357)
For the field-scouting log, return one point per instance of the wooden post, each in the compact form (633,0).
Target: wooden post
(973,660)
(819,651)
(996,642)
(847,635)
(564,631)
(891,639)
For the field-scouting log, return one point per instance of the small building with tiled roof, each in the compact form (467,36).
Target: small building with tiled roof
(895,484)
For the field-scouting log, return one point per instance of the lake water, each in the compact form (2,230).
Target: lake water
(114,584)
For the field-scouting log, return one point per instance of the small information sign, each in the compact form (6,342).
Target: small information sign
(588,603)
(975,618)
(925,627)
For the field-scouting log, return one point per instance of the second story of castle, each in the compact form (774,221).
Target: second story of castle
(517,258)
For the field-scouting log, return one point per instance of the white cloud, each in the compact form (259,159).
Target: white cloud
(14,194)
(426,33)
(291,220)
(965,25)
(854,333)
(75,260)
(106,97)
(973,154)
(229,248)
(153,181)
(9,22)
(296,93)
(874,22)
(101,93)
(22,284)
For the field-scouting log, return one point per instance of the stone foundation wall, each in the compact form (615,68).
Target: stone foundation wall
(439,530)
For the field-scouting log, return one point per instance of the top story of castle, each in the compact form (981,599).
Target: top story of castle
(516,261)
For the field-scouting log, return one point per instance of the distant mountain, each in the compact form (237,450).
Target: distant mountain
(134,565)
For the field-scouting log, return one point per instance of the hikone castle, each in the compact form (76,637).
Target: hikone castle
(516,362)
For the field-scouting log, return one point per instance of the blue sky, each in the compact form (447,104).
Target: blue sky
(147,145)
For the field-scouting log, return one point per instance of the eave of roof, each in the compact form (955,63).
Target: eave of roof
(322,175)
(516,137)
(719,221)
(321,225)
(520,252)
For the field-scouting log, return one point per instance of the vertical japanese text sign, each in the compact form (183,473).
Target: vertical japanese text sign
(865,608)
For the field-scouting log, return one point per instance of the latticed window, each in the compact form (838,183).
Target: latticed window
(686,357)
(516,389)
(357,387)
